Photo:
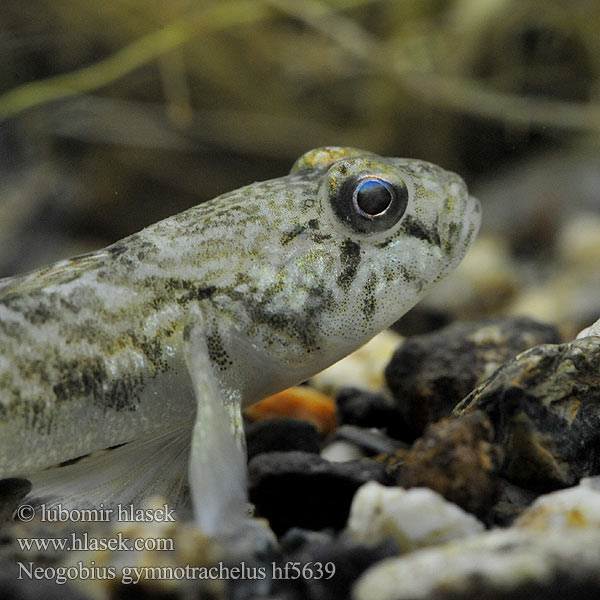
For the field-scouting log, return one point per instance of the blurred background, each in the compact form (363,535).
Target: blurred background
(116,114)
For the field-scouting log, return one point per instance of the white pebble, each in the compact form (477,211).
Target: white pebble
(414,518)
(341,451)
(571,509)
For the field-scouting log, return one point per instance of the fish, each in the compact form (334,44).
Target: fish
(123,372)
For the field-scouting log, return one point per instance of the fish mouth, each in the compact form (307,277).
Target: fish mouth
(474,210)
(471,222)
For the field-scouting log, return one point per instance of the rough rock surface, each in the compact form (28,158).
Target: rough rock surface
(544,406)
(457,459)
(430,374)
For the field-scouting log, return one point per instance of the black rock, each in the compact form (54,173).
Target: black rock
(331,565)
(298,489)
(430,374)
(371,441)
(544,406)
(420,320)
(368,409)
(281,434)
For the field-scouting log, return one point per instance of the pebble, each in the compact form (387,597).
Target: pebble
(574,508)
(422,319)
(299,402)
(457,459)
(342,556)
(370,409)
(430,374)
(544,406)
(506,563)
(413,518)
(592,330)
(372,441)
(281,434)
(299,489)
(341,451)
(551,552)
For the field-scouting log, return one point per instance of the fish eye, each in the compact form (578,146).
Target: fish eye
(372,197)
(370,204)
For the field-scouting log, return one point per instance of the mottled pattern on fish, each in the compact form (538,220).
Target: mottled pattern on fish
(289,279)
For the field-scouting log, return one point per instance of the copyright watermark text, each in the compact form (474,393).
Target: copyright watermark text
(122,513)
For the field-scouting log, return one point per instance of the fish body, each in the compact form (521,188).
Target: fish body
(282,278)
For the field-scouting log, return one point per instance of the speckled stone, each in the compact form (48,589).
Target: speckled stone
(430,374)
(513,563)
(456,458)
(544,406)
(298,489)
(413,518)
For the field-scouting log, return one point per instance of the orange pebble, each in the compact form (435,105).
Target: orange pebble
(300,402)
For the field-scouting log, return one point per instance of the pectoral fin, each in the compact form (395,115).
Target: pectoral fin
(217,468)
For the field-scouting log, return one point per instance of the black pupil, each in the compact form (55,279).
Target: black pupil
(373,197)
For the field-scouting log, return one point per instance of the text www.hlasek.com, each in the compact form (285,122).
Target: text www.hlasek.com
(83,542)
